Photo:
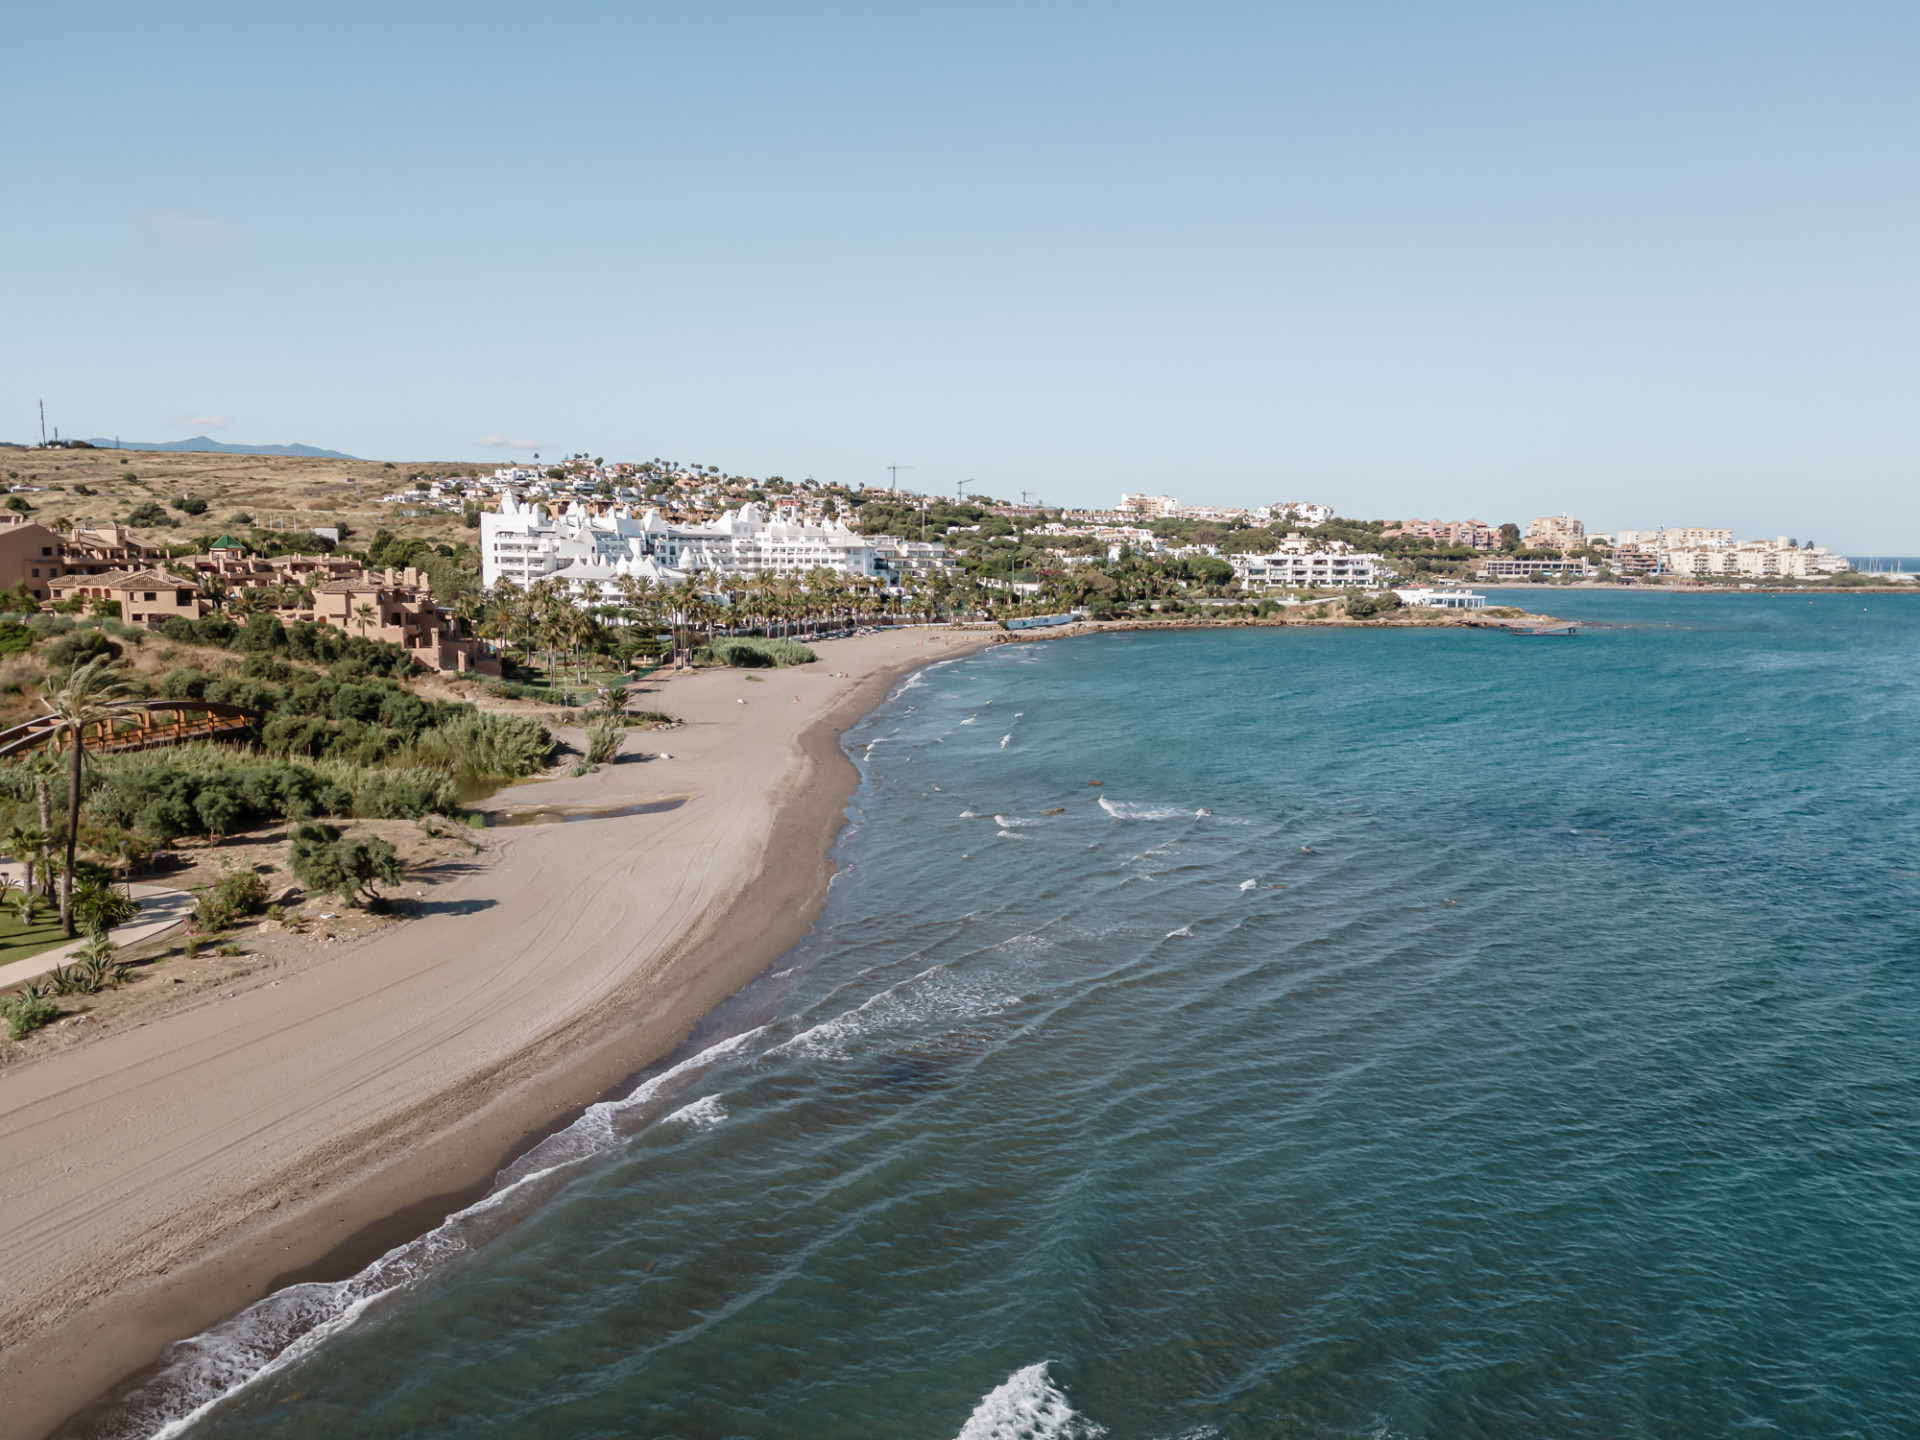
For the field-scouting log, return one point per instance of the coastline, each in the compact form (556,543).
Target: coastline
(100,1283)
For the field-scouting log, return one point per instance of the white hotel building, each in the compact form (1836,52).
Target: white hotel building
(523,543)
(1295,564)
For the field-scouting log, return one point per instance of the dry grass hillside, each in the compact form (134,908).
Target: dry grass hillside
(293,492)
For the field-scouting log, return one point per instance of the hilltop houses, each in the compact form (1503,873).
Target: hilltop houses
(395,606)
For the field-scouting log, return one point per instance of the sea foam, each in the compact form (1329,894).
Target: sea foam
(198,1373)
(1027,1405)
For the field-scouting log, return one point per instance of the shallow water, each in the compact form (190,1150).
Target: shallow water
(1553,1075)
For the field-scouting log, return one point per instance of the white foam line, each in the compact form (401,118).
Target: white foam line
(248,1347)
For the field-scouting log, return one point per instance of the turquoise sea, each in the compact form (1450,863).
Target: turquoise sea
(1413,1034)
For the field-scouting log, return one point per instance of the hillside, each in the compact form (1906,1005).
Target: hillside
(293,492)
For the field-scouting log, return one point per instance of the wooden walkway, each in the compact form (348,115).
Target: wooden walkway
(161,723)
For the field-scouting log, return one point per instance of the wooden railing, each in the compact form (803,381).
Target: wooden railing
(160,723)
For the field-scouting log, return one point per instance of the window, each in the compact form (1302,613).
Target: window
(46,549)
(150,595)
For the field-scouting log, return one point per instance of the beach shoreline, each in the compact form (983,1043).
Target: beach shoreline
(347,1193)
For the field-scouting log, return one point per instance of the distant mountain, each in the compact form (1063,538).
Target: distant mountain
(201,443)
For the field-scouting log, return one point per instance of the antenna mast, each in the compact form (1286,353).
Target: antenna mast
(43,424)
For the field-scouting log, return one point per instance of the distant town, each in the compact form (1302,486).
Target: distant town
(646,544)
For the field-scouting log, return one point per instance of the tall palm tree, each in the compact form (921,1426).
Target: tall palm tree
(363,616)
(92,695)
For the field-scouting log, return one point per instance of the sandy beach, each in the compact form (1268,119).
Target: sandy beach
(162,1177)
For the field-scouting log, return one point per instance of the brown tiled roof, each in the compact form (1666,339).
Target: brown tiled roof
(125,579)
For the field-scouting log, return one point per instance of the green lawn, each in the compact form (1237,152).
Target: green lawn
(17,942)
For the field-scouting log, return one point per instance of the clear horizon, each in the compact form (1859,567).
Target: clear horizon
(1646,265)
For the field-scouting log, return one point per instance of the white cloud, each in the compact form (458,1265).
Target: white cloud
(501,442)
(186,242)
(205,422)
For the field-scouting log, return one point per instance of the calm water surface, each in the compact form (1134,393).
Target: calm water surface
(1413,1034)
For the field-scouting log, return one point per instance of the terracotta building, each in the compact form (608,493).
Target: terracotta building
(397,606)
(33,555)
(145,597)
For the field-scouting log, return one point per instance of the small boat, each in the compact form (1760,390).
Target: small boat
(1558,627)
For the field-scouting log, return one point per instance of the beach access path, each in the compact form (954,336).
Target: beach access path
(161,1178)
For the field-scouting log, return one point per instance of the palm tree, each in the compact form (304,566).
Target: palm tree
(363,616)
(24,842)
(213,589)
(92,695)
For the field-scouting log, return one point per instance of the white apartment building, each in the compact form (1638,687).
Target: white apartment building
(1294,563)
(744,543)
(523,542)
(1759,559)
(1305,511)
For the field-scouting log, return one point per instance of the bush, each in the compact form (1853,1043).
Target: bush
(238,894)
(15,638)
(190,505)
(348,866)
(98,906)
(477,745)
(78,647)
(604,741)
(148,515)
(27,1012)
(753,654)
(164,794)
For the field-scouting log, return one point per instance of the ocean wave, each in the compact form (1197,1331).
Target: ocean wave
(932,998)
(1183,930)
(702,1114)
(198,1373)
(1010,835)
(1131,810)
(1027,1405)
(1013,822)
(1003,741)
(969,815)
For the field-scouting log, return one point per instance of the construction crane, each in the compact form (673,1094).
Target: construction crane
(894,471)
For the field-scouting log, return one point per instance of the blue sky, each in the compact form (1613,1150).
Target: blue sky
(1647,263)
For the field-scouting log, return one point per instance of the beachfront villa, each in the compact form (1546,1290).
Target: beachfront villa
(1426,597)
(524,542)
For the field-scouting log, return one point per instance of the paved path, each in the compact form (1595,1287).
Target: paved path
(160,910)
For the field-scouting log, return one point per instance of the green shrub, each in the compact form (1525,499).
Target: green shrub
(98,906)
(166,794)
(604,741)
(479,744)
(238,894)
(190,505)
(753,654)
(348,866)
(148,515)
(27,1012)
(15,638)
(78,647)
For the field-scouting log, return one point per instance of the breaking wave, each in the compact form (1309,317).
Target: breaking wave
(196,1374)
(1131,810)
(1027,1405)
